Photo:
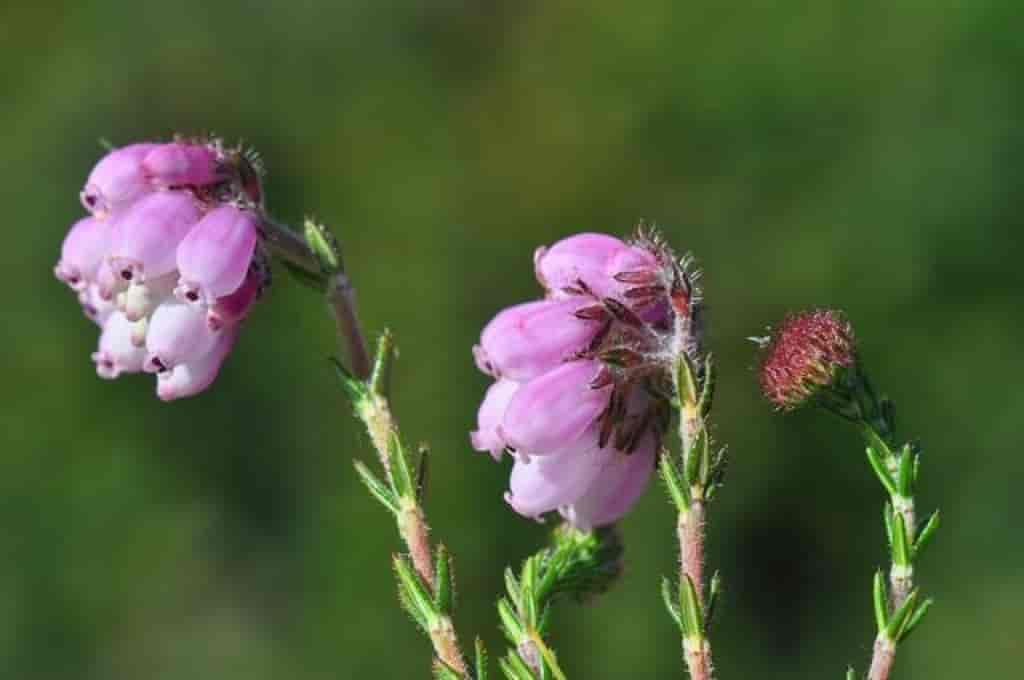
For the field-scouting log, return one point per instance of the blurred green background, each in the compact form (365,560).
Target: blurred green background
(864,155)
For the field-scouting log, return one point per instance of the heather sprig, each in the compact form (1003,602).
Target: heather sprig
(812,359)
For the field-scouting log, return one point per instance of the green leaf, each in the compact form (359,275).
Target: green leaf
(694,465)
(377,488)
(444,597)
(900,542)
(422,465)
(481,665)
(916,618)
(930,527)
(689,606)
(443,672)
(686,380)
(512,586)
(905,476)
(413,594)
(714,590)
(901,617)
(323,244)
(380,373)
(315,281)
(707,390)
(671,603)
(514,668)
(887,518)
(354,389)
(510,623)
(850,674)
(527,586)
(881,599)
(678,491)
(881,472)
(404,487)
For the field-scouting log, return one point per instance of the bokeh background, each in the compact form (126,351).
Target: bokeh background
(863,155)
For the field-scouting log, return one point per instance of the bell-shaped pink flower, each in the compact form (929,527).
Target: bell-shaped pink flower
(583,257)
(116,353)
(529,339)
(116,180)
(194,376)
(616,489)
(215,255)
(549,413)
(146,237)
(545,483)
(176,334)
(488,435)
(139,299)
(82,252)
(94,306)
(234,307)
(180,163)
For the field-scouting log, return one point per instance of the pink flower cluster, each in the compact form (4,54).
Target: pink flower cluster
(167,262)
(569,398)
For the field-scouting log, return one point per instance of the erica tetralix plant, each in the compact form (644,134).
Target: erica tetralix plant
(167,261)
(581,377)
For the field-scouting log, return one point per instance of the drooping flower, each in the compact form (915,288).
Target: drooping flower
(169,262)
(805,357)
(578,378)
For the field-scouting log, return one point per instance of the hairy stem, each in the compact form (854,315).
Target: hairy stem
(882,659)
(342,298)
(690,528)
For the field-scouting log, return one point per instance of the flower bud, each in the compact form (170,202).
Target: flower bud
(805,357)
(529,339)
(179,163)
(145,238)
(177,334)
(552,411)
(116,180)
(583,257)
(82,252)
(192,377)
(116,353)
(214,256)
(488,436)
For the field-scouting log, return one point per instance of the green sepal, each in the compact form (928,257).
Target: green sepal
(355,390)
(916,618)
(689,606)
(686,380)
(900,542)
(880,599)
(707,389)
(678,490)
(444,597)
(879,467)
(905,474)
(323,244)
(714,591)
(413,595)
(383,359)
(671,602)
(480,663)
(400,474)
(898,622)
(930,527)
(377,488)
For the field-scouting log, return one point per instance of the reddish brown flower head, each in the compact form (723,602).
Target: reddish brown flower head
(805,354)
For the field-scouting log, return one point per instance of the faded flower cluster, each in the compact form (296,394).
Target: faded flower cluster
(578,397)
(167,260)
